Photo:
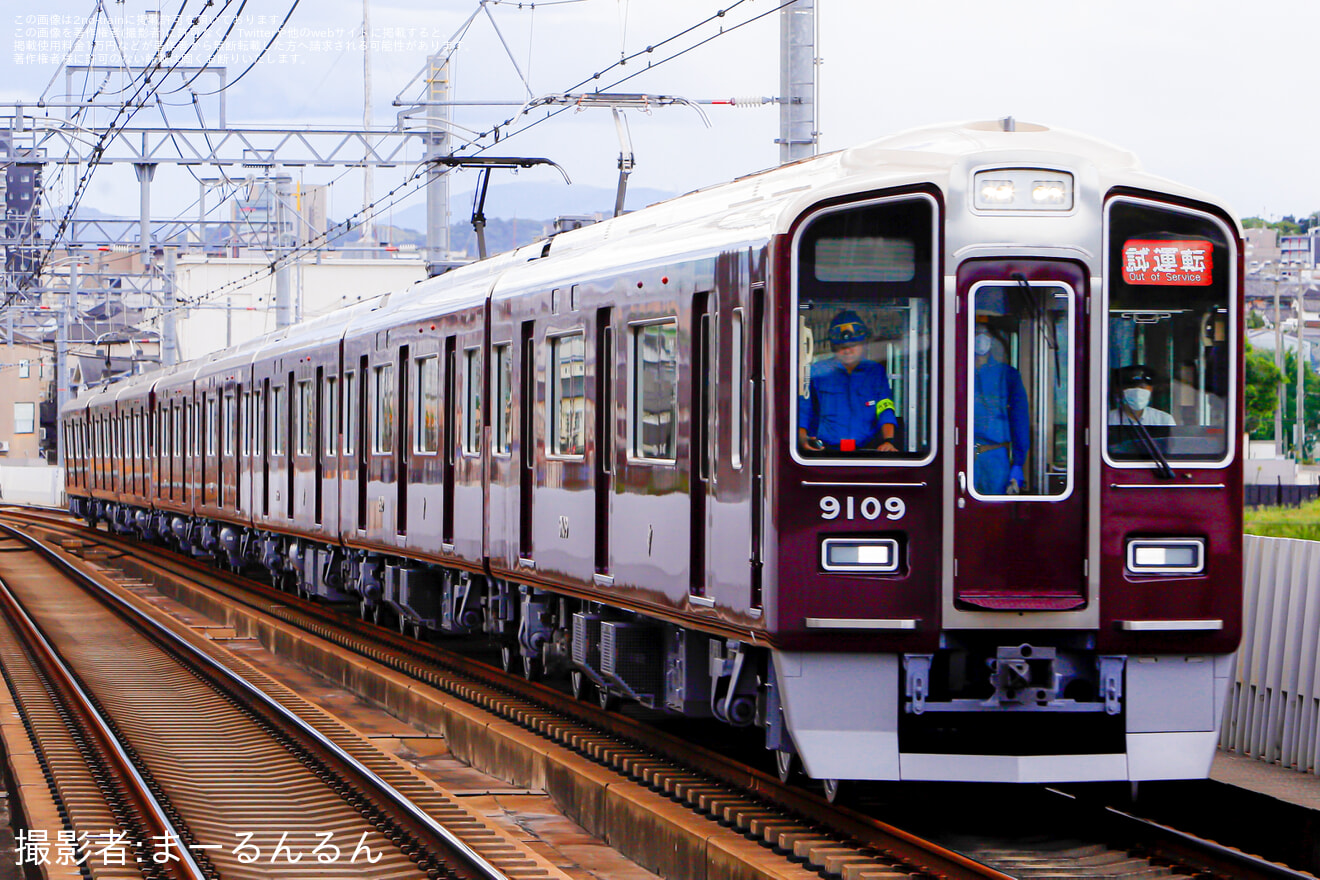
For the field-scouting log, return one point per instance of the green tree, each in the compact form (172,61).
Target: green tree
(1262,394)
(1310,402)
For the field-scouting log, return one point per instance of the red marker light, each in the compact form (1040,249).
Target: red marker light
(848,445)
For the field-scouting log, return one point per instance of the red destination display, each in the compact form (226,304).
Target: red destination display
(1180,263)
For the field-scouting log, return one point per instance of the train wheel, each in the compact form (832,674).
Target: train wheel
(378,614)
(506,658)
(364,610)
(606,700)
(419,631)
(403,625)
(832,788)
(785,765)
(579,684)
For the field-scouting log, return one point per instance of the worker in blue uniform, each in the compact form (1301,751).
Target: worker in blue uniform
(848,405)
(1002,423)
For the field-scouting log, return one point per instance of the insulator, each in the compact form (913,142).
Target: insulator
(748,102)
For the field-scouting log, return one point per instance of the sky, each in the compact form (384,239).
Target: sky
(1208,93)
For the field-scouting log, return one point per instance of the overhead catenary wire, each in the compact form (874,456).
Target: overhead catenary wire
(136,102)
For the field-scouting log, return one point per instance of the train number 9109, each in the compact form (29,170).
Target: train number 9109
(870,508)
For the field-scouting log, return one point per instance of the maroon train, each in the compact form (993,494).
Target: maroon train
(642,456)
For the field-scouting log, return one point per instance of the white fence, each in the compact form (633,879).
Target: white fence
(40,485)
(1273,712)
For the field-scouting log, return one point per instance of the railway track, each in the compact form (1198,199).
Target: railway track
(797,825)
(166,762)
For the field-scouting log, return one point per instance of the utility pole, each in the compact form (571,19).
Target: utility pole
(1278,362)
(169,344)
(62,356)
(368,180)
(798,136)
(284,267)
(437,145)
(145,171)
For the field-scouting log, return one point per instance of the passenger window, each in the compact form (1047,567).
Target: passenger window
(501,382)
(865,279)
(277,420)
(350,412)
(736,356)
(1171,340)
(331,415)
(653,419)
(384,438)
(1021,394)
(472,401)
(306,417)
(428,405)
(568,395)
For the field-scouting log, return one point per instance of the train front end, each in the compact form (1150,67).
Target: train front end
(1008,501)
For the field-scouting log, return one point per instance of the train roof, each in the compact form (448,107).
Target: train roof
(767,203)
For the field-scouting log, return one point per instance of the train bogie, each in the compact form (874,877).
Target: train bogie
(921,457)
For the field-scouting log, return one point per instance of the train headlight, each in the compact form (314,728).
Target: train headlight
(1166,556)
(872,555)
(1022,189)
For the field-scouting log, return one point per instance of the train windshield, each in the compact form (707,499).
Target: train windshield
(864,280)
(1170,332)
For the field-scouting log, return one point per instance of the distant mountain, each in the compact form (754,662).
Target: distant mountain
(532,201)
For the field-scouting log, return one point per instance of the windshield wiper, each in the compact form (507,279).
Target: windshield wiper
(1163,469)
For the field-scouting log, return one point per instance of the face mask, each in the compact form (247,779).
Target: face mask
(1136,398)
(982,344)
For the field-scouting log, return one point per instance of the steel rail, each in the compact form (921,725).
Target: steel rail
(253,695)
(866,831)
(76,700)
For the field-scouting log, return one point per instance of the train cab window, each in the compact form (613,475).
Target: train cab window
(864,279)
(568,432)
(1171,336)
(501,386)
(384,411)
(350,412)
(305,416)
(1020,394)
(653,392)
(472,401)
(277,420)
(427,422)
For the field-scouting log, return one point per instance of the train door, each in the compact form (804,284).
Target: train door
(403,446)
(1020,406)
(605,430)
(699,442)
(527,438)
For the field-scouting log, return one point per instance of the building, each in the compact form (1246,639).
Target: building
(27,372)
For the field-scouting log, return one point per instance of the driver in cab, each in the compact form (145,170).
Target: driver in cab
(848,405)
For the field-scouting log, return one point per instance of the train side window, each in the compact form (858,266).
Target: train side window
(177,430)
(568,432)
(472,401)
(331,414)
(736,380)
(259,422)
(305,416)
(1172,340)
(276,422)
(864,283)
(384,414)
(427,422)
(350,410)
(653,392)
(213,428)
(501,386)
